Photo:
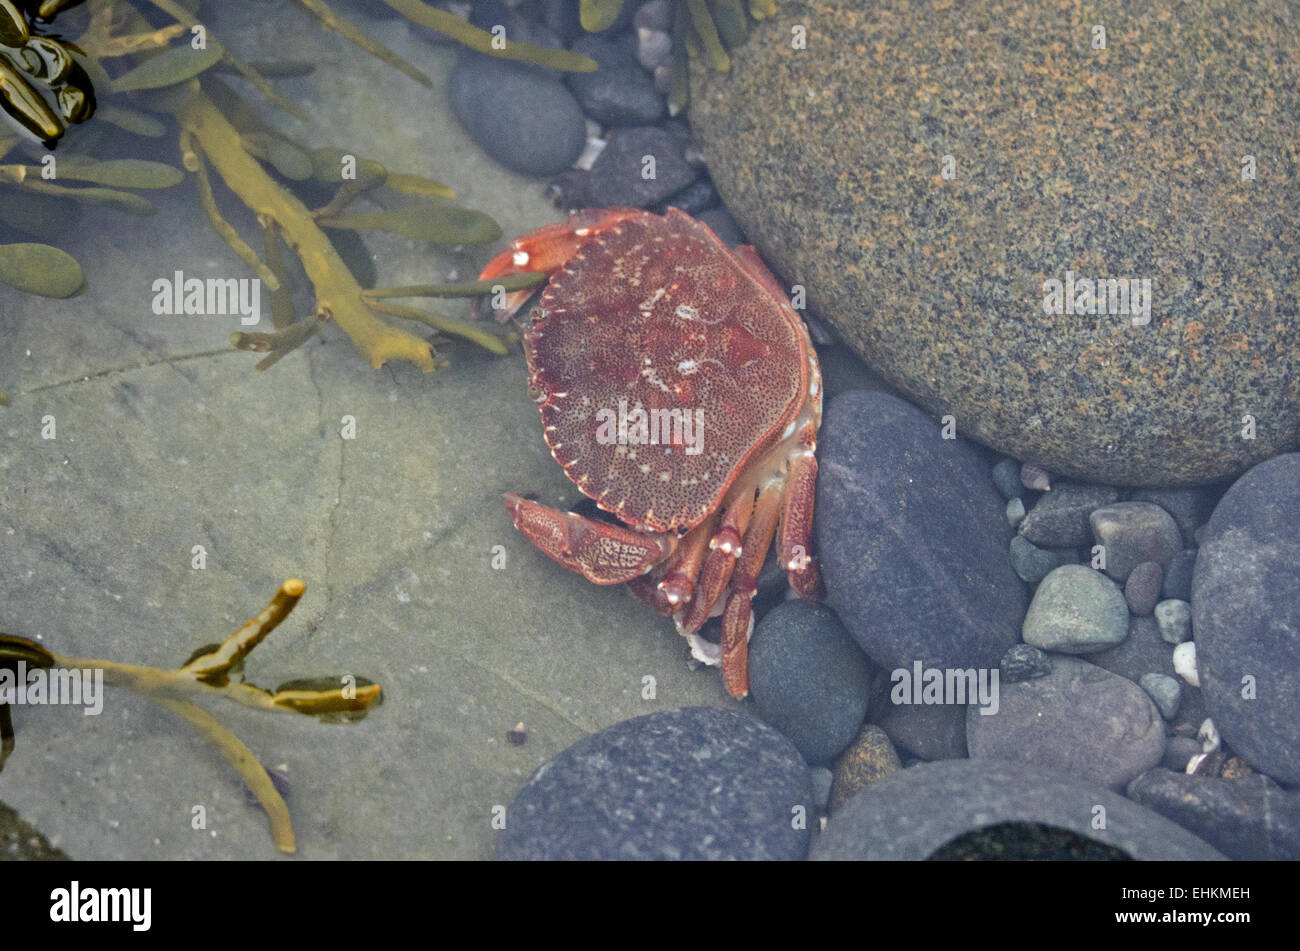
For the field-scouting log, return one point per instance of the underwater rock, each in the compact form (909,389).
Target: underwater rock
(1245,617)
(1248,818)
(698,783)
(1142,589)
(912,538)
(955,165)
(1060,518)
(617,176)
(620,92)
(528,122)
(1079,719)
(911,814)
(1134,532)
(870,759)
(1077,611)
(809,679)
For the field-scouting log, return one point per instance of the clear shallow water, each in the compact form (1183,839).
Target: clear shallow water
(167,439)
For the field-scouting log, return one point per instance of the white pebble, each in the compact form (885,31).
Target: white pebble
(1209,736)
(1185,662)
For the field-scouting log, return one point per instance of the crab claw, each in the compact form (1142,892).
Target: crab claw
(548,249)
(600,552)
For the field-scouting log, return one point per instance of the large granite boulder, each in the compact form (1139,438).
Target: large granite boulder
(1132,161)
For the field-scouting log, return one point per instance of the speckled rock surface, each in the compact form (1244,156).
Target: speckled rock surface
(698,783)
(1120,162)
(909,815)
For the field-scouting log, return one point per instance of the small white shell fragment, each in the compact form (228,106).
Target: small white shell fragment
(705,651)
(1209,736)
(1194,762)
(590,152)
(1185,662)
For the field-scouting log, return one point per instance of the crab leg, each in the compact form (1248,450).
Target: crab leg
(549,248)
(600,552)
(796,519)
(678,583)
(737,621)
(724,550)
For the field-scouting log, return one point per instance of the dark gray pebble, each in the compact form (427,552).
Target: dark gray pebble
(617,176)
(528,123)
(1032,563)
(1134,532)
(1006,476)
(620,92)
(1024,662)
(1059,519)
(1142,590)
(809,679)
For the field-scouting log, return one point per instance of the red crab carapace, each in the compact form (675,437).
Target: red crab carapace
(680,391)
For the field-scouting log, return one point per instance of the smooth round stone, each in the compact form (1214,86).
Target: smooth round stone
(616,177)
(1174,619)
(696,783)
(1060,518)
(1032,564)
(1015,512)
(809,679)
(1246,617)
(1165,692)
(1006,476)
(1142,590)
(1190,507)
(1076,611)
(1177,584)
(869,759)
(1079,719)
(913,813)
(528,122)
(1134,532)
(620,92)
(1024,662)
(1249,818)
(912,538)
(1075,163)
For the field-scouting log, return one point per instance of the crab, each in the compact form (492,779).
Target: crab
(680,391)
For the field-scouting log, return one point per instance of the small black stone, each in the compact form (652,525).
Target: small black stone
(1024,662)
